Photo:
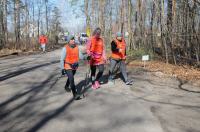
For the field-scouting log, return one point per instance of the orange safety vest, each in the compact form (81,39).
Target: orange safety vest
(43,39)
(72,56)
(120,45)
(97,49)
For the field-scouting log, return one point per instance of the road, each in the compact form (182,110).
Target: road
(32,98)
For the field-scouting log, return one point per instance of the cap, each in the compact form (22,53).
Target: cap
(70,37)
(118,34)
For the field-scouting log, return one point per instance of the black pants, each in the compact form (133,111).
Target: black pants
(93,72)
(70,80)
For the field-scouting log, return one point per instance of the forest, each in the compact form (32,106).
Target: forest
(169,29)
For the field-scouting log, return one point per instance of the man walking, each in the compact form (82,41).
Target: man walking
(118,56)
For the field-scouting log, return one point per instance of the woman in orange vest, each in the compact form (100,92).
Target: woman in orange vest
(69,64)
(43,41)
(96,50)
(118,56)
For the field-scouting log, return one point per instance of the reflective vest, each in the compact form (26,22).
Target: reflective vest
(43,39)
(72,56)
(120,45)
(96,49)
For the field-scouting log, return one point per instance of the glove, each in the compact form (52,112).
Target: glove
(63,72)
(75,66)
(88,58)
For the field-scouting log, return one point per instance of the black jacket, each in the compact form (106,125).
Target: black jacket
(114,47)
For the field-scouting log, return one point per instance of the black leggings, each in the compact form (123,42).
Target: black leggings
(93,72)
(70,80)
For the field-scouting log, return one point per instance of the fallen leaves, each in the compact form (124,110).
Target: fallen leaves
(4,52)
(182,72)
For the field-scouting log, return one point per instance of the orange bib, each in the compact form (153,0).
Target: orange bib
(43,39)
(72,56)
(97,49)
(120,45)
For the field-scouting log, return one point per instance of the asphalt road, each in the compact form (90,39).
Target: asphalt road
(32,98)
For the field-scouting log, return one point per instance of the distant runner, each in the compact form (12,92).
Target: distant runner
(43,41)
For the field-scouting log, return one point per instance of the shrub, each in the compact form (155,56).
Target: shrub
(137,54)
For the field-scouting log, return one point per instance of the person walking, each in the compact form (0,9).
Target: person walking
(43,41)
(118,56)
(69,64)
(96,51)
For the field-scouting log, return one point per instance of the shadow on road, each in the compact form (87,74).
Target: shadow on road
(12,111)
(168,103)
(180,86)
(32,92)
(82,89)
(47,118)
(162,85)
(16,73)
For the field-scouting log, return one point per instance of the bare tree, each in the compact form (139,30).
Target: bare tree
(2,43)
(5,12)
(87,15)
(17,22)
(46,15)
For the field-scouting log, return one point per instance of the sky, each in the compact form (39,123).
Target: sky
(72,17)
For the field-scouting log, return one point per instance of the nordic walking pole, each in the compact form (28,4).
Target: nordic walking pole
(87,74)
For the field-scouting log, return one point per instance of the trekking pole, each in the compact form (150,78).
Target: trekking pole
(61,76)
(87,74)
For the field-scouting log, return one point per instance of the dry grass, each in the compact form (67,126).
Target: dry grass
(184,72)
(5,52)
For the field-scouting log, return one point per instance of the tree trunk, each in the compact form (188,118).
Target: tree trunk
(111,21)
(139,23)
(38,21)
(164,30)
(152,24)
(33,20)
(17,22)
(169,27)
(87,15)
(101,16)
(130,42)
(5,12)
(93,13)
(27,25)
(122,17)
(46,16)
(1,26)
(173,30)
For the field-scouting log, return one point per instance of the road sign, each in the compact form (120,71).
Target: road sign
(145,58)
(126,34)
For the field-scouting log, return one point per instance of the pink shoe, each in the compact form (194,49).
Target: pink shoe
(94,86)
(97,84)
